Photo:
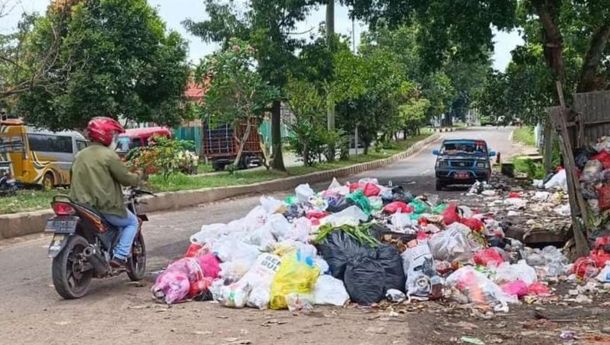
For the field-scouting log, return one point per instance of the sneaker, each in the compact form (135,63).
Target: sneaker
(118,262)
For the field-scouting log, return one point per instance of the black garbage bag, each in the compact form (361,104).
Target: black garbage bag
(583,155)
(295,211)
(338,204)
(363,280)
(338,249)
(390,260)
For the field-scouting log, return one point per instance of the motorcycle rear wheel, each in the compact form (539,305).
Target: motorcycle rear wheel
(69,280)
(136,265)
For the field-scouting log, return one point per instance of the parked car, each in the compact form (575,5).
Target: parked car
(37,156)
(139,137)
(462,161)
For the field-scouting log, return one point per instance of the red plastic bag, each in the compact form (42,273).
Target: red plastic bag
(603,194)
(600,257)
(369,189)
(604,157)
(488,256)
(602,242)
(196,249)
(450,215)
(474,224)
(539,289)
(315,214)
(397,206)
(517,288)
(514,195)
(585,267)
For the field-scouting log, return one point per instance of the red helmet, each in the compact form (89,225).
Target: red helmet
(102,129)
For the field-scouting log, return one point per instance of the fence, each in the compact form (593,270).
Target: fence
(593,116)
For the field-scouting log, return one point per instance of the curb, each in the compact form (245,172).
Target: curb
(25,223)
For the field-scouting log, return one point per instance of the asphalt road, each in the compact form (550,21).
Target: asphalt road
(117,312)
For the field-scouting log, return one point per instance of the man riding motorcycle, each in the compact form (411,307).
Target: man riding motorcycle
(97,176)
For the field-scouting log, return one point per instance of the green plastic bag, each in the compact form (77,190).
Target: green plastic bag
(360,200)
(440,208)
(290,200)
(376,204)
(419,206)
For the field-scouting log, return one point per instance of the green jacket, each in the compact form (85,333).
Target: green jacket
(97,176)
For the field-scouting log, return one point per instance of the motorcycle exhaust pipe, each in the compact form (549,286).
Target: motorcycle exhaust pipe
(98,263)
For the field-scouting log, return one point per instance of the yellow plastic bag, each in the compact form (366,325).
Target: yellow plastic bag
(296,274)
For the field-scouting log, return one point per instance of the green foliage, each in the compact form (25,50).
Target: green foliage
(533,170)
(309,122)
(114,58)
(525,135)
(237,91)
(165,157)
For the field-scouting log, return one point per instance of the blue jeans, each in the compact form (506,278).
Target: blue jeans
(128,227)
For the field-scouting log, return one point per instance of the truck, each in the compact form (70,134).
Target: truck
(221,145)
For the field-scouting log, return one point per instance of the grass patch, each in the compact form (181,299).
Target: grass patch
(533,170)
(203,168)
(30,200)
(27,200)
(524,135)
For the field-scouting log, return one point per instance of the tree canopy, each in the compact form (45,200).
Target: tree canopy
(114,58)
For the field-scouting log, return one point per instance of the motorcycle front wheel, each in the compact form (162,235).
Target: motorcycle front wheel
(69,278)
(136,265)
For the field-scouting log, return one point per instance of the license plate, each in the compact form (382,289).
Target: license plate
(462,175)
(61,225)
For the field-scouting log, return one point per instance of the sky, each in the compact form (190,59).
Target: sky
(173,12)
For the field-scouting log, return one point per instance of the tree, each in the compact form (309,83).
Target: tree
(114,58)
(267,26)
(308,125)
(237,94)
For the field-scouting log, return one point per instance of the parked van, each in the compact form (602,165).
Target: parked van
(37,156)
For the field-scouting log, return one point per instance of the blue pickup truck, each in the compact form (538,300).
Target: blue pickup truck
(462,161)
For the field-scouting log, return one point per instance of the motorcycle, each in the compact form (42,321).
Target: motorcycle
(8,186)
(83,241)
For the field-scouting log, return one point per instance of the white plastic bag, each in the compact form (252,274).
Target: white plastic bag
(234,295)
(401,222)
(479,289)
(209,232)
(299,230)
(237,257)
(369,180)
(255,219)
(352,215)
(418,266)
(563,210)
(259,277)
(271,205)
(541,196)
(331,291)
(336,188)
(515,203)
(452,244)
(507,273)
(304,192)
(279,225)
(262,238)
(604,275)
(558,181)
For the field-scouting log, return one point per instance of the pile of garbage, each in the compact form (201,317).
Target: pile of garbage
(361,242)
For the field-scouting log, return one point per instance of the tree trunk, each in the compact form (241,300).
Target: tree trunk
(367,144)
(587,81)
(276,137)
(330,102)
(242,142)
(553,42)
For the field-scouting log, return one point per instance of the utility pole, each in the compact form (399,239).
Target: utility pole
(354,52)
(330,102)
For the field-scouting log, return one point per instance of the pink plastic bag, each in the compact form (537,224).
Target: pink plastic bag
(539,289)
(186,278)
(488,257)
(604,157)
(517,288)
